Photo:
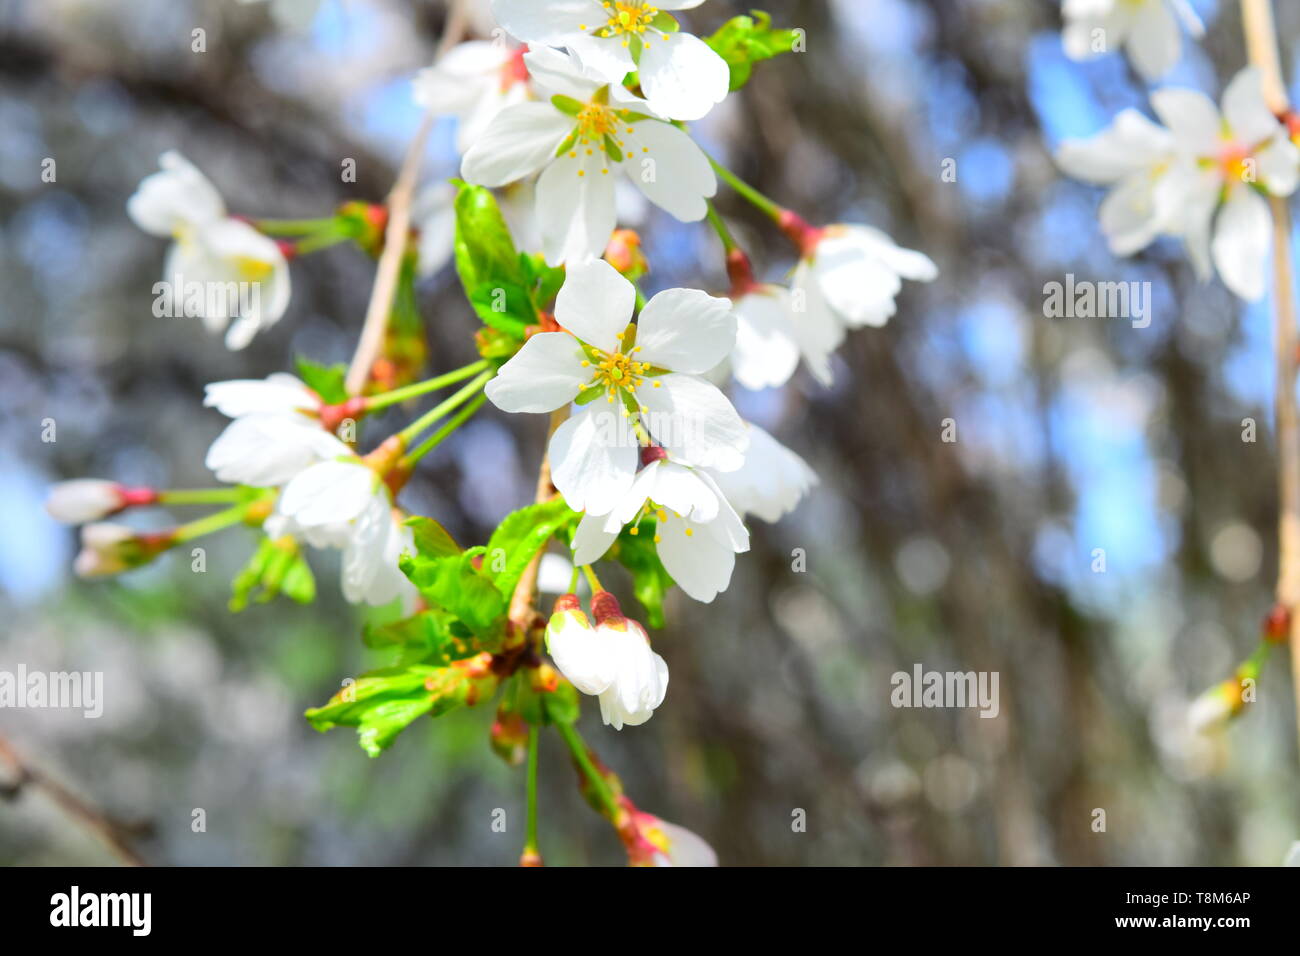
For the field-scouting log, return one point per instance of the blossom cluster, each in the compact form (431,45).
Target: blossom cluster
(575,114)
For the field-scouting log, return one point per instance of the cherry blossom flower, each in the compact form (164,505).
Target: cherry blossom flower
(587,130)
(344,504)
(681,76)
(649,373)
(697,532)
(474,81)
(612,661)
(771,482)
(1239,154)
(847,277)
(211,251)
(267,450)
(1138,160)
(1147,29)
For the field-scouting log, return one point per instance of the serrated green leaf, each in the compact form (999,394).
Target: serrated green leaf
(383,703)
(454,584)
(276,567)
(520,536)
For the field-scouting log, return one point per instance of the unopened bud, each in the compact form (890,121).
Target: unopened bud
(624,253)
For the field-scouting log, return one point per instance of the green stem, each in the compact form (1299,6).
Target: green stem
(210,523)
(598,783)
(294,227)
(200,496)
(436,439)
(747,191)
(729,243)
(573,581)
(442,408)
(530,841)
(318,242)
(592,579)
(375,402)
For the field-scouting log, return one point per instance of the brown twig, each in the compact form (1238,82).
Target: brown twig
(111,832)
(1261,42)
(521,602)
(397,231)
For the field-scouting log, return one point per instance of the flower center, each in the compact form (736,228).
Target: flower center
(1237,163)
(627,17)
(595,122)
(618,370)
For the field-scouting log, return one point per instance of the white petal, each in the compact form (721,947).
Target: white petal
(591,540)
(456,82)
(329,493)
(682,77)
(575,207)
(518,142)
(269,450)
(771,482)
(541,377)
(559,73)
(766,351)
(546,21)
(1191,116)
(605,58)
(1245,109)
(595,303)
(279,393)
(593,458)
(1279,166)
(694,421)
(177,195)
(818,330)
(685,330)
(673,172)
(859,286)
(685,492)
(685,848)
(1131,143)
(699,564)
(1154,42)
(1241,243)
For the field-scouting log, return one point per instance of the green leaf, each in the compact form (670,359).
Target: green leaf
(427,637)
(520,536)
(276,567)
(383,703)
(453,583)
(495,281)
(743,41)
(325,380)
(650,582)
(431,538)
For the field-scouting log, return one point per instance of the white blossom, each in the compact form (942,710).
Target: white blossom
(1147,29)
(681,76)
(212,252)
(579,140)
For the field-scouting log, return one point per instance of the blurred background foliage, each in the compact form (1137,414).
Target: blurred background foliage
(1073,435)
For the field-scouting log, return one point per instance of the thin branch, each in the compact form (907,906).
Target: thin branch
(398,229)
(1261,42)
(521,602)
(112,833)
